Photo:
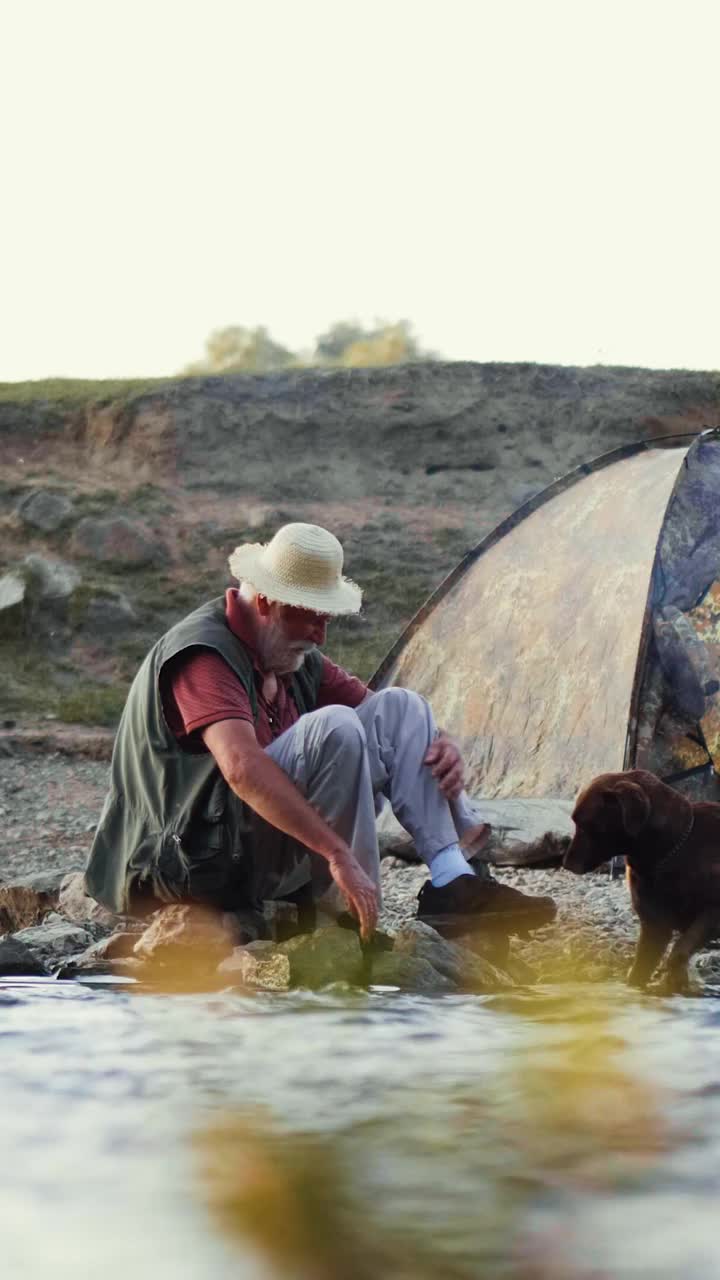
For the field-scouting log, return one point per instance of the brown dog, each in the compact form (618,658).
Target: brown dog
(672,850)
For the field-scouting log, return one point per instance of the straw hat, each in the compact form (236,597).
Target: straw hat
(301,565)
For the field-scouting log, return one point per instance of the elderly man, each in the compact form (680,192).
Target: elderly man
(248,766)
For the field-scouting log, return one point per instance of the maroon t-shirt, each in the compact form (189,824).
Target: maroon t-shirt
(198,687)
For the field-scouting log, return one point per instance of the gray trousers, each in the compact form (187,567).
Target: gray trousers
(346,763)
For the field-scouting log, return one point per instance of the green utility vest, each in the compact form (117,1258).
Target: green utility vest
(164,801)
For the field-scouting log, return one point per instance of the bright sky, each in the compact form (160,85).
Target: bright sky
(521,179)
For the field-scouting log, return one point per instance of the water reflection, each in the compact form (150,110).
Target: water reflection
(567,1134)
(465,1180)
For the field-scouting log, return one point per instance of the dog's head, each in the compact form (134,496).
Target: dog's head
(608,815)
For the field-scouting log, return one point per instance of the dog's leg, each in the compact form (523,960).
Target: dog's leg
(702,928)
(654,937)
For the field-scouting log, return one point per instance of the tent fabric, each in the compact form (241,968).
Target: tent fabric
(674,727)
(554,651)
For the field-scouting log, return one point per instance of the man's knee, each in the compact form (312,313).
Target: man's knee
(338,730)
(401,705)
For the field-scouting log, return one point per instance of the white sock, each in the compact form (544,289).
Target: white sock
(448,864)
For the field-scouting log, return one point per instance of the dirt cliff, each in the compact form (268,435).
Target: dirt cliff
(117,512)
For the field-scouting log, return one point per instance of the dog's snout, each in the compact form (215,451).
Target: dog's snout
(583,855)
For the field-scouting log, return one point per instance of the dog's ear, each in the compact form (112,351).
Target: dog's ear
(634,805)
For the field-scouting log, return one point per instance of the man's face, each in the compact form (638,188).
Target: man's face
(288,634)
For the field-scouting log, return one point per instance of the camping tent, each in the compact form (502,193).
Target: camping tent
(583,635)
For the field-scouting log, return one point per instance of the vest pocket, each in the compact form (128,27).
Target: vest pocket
(203,839)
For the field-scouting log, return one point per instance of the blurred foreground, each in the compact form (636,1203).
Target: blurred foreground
(566,1133)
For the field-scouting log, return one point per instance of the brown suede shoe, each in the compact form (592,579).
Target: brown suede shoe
(470,903)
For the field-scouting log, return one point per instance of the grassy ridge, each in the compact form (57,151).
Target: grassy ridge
(76,392)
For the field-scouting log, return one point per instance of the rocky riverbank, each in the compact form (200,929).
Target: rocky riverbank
(49,803)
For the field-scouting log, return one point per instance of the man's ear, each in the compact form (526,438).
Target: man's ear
(263,605)
(634,805)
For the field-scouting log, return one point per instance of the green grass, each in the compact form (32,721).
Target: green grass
(71,392)
(87,703)
(34,685)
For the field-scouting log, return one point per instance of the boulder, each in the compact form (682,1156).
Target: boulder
(117,541)
(410,973)
(464,968)
(18,960)
(183,928)
(108,614)
(103,956)
(45,883)
(13,606)
(44,510)
(76,905)
(54,940)
(21,906)
(49,578)
(258,966)
(326,956)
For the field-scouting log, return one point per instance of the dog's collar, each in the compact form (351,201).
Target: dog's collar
(662,865)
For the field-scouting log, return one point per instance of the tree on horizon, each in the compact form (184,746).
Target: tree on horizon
(345,344)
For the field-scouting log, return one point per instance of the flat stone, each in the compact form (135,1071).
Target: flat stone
(54,940)
(326,956)
(117,540)
(18,960)
(515,821)
(44,510)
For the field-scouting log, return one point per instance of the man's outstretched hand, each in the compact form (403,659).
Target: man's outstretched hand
(358,890)
(446,764)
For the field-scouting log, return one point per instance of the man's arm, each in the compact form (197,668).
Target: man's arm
(268,790)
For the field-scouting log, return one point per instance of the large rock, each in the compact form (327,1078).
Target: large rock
(21,906)
(51,579)
(184,928)
(76,905)
(464,968)
(410,973)
(45,883)
(13,605)
(109,955)
(54,940)
(51,585)
(258,966)
(327,956)
(18,960)
(118,541)
(108,614)
(44,510)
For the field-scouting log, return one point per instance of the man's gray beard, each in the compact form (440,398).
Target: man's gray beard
(276,655)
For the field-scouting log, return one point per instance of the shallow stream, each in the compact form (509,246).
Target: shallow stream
(560,1132)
